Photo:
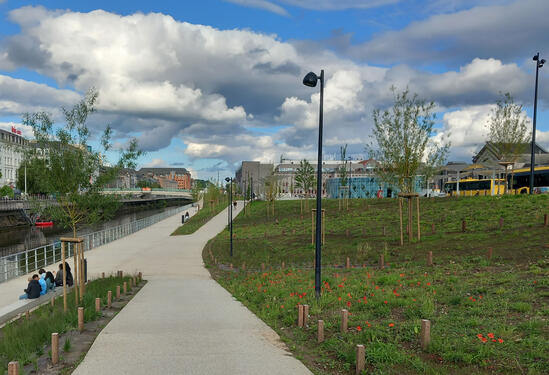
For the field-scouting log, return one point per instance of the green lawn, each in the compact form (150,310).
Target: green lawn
(464,294)
(199,219)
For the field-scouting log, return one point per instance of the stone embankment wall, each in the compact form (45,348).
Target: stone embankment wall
(13,218)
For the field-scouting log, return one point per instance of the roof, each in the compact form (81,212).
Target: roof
(163,171)
(491,149)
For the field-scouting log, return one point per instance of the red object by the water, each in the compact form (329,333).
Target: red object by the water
(43,223)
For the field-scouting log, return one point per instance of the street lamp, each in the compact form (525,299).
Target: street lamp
(230,211)
(310,80)
(539,64)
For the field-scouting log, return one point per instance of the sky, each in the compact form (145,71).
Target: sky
(206,84)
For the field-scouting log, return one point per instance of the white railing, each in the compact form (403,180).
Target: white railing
(22,263)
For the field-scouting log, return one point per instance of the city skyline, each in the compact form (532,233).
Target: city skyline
(206,89)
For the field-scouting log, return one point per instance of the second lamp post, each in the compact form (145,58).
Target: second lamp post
(230,181)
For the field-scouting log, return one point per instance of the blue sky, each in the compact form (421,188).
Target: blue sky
(205,84)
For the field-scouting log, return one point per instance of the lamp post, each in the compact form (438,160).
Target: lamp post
(230,210)
(539,64)
(311,80)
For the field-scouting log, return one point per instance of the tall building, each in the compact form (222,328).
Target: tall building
(252,174)
(168,178)
(11,154)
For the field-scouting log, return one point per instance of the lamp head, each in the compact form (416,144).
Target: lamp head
(227,179)
(542,61)
(536,57)
(310,79)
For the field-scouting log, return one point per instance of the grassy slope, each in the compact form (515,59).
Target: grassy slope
(199,219)
(463,295)
(23,340)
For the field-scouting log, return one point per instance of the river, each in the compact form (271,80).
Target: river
(16,240)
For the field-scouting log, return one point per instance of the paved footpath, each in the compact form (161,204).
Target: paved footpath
(182,321)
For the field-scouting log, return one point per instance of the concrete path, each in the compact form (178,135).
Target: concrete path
(183,322)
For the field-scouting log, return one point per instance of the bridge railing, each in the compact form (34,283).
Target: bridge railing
(15,265)
(151,190)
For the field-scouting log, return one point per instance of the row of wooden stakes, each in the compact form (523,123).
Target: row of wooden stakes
(303,322)
(13,367)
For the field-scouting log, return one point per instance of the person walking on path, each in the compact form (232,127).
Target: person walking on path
(33,289)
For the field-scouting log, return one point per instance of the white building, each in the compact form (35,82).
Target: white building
(11,155)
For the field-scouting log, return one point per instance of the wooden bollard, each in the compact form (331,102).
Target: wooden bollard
(500,223)
(348,263)
(433,229)
(243,266)
(140,276)
(347,233)
(430,258)
(381,261)
(231,265)
(125,287)
(97,304)
(383,232)
(27,315)
(109,299)
(117,291)
(282,264)
(134,281)
(463,225)
(360,359)
(489,253)
(305,315)
(54,348)
(262,266)
(344,320)
(425,333)
(320,331)
(545,220)
(80,319)
(300,316)
(102,275)
(13,368)
(52,302)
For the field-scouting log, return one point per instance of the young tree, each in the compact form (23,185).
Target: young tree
(402,143)
(35,176)
(508,132)
(305,178)
(72,170)
(271,192)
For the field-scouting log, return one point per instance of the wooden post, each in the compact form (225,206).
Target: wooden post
(54,348)
(381,261)
(140,276)
(262,266)
(400,214)
(410,218)
(383,231)
(418,221)
(433,230)
(117,291)
(312,226)
(75,275)
(125,287)
(320,331)
(348,263)
(500,223)
(305,315)
(489,254)
(80,319)
(430,258)
(425,333)
(97,304)
(545,220)
(344,320)
(63,259)
(282,264)
(109,299)
(102,275)
(323,228)
(52,301)
(463,225)
(300,316)
(13,368)
(360,359)
(82,276)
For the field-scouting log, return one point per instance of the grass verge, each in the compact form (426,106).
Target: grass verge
(199,219)
(487,315)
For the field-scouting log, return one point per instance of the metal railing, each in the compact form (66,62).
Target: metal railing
(15,265)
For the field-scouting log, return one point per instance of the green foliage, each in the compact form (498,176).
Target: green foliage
(36,170)
(342,170)
(6,191)
(305,176)
(196,221)
(403,143)
(71,169)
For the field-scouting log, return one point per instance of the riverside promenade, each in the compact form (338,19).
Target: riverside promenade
(182,321)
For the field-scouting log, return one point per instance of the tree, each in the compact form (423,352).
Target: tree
(72,170)
(508,132)
(6,191)
(271,192)
(305,178)
(402,141)
(35,173)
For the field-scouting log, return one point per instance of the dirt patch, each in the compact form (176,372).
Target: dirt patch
(70,355)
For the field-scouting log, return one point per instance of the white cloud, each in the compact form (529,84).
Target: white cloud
(156,163)
(262,4)
(26,131)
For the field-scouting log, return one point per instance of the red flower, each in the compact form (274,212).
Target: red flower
(491,335)
(391,324)
(484,339)
(500,341)
(359,328)
(428,283)
(340,285)
(385,302)
(281,306)
(349,303)
(339,298)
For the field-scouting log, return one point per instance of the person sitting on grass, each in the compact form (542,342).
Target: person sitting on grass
(33,289)
(50,281)
(59,275)
(42,281)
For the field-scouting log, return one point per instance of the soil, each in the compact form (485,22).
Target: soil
(80,343)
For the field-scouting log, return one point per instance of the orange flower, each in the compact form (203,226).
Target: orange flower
(359,328)
(479,335)
(500,341)
(385,302)
(391,324)
(490,335)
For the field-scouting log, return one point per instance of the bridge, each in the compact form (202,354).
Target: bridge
(154,192)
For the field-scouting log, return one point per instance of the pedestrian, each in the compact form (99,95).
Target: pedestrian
(50,281)
(42,281)
(33,289)
(59,275)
